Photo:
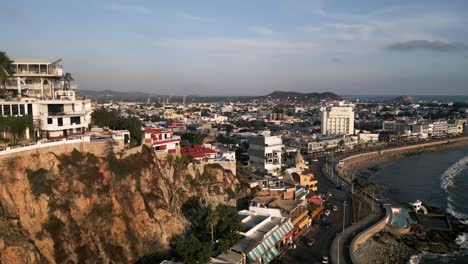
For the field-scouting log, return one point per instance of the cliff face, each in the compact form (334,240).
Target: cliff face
(79,208)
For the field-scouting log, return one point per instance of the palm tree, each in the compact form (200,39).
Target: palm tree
(5,70)
(212,219)
(67,78)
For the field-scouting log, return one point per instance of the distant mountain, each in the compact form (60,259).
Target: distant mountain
(114,95)
(303,96)
(403,98)
(108,95)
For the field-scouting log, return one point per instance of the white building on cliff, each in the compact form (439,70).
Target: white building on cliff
(37,88)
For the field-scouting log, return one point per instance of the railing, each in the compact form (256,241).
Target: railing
(42,144)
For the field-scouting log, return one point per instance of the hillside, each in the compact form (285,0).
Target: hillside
(302,96)
(80,208)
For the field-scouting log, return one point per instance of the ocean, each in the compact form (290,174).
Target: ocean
(438,179)
(417,98)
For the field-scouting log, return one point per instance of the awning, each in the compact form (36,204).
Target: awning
(270,255)
(268,243)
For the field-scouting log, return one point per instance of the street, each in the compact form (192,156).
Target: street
(323,236)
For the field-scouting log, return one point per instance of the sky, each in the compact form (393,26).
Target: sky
(228,47)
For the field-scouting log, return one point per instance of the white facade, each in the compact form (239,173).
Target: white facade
(265,152)
(37,89)
(337,120)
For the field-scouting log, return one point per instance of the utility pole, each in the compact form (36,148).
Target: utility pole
(344,214)
(339,236)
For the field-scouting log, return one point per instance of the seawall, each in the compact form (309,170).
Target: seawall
(363,236)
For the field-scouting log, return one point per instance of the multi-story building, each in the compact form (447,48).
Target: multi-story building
(37,88)
(325,144)
(337,119)
(440,128)
(162,140)
(265,152)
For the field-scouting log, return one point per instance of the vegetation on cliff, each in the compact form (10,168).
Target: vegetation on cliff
(81,208)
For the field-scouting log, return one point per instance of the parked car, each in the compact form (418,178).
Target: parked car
(335,208)
(329,194)
(327,212)
(325,260)
(311,242)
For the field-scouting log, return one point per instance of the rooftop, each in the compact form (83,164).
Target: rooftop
(35,60)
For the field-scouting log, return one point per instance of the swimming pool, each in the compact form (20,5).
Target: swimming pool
(399,217)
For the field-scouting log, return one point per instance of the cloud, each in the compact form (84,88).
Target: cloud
(192,17)
(264,31)
(429,45)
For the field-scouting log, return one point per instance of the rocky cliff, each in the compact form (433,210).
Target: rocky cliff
(79,208)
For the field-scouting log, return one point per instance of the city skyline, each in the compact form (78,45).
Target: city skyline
(249,48)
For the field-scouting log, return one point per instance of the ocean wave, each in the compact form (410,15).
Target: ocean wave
(448,181)
(424,257)
(462,240)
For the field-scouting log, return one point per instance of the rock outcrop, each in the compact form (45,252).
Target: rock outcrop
(79,208)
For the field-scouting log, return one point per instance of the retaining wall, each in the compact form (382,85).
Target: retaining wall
(368,233)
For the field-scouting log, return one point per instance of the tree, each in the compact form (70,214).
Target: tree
(227,228)
(67,78)
(5,69)
(190,249)
(111,119)
(15,125)
(193,137)
(212,220)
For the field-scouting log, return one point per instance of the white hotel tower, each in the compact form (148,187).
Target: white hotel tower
(37,88)
(337,119)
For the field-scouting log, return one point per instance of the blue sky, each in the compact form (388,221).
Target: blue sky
(219,47)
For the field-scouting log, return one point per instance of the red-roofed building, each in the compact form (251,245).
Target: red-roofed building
(198,152)
(162,140)
(176,126)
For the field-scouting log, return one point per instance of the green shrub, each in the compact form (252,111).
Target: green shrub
(38,181)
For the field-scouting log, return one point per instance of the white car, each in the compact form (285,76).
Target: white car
(325,260)
(329,194)
(335,208)
(327,212)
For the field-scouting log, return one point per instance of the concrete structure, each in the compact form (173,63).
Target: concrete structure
(37,88)
(337,119)
(265,152)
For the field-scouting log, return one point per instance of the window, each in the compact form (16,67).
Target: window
(6,110)
(60,121)
(14,110)
(75,120)
(21,109)
(49,121)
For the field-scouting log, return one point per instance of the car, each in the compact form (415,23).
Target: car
(327,212)
(324,224)
(311,242)
(329,194)
(325,260)
(335,208)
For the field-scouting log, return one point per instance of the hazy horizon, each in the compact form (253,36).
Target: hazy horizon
(249,48)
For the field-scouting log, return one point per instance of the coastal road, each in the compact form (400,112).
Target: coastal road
(323,236)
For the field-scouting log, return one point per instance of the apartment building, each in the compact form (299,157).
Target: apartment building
(265,152)
(337,119)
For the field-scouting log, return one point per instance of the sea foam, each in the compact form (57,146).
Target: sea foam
(448,181)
